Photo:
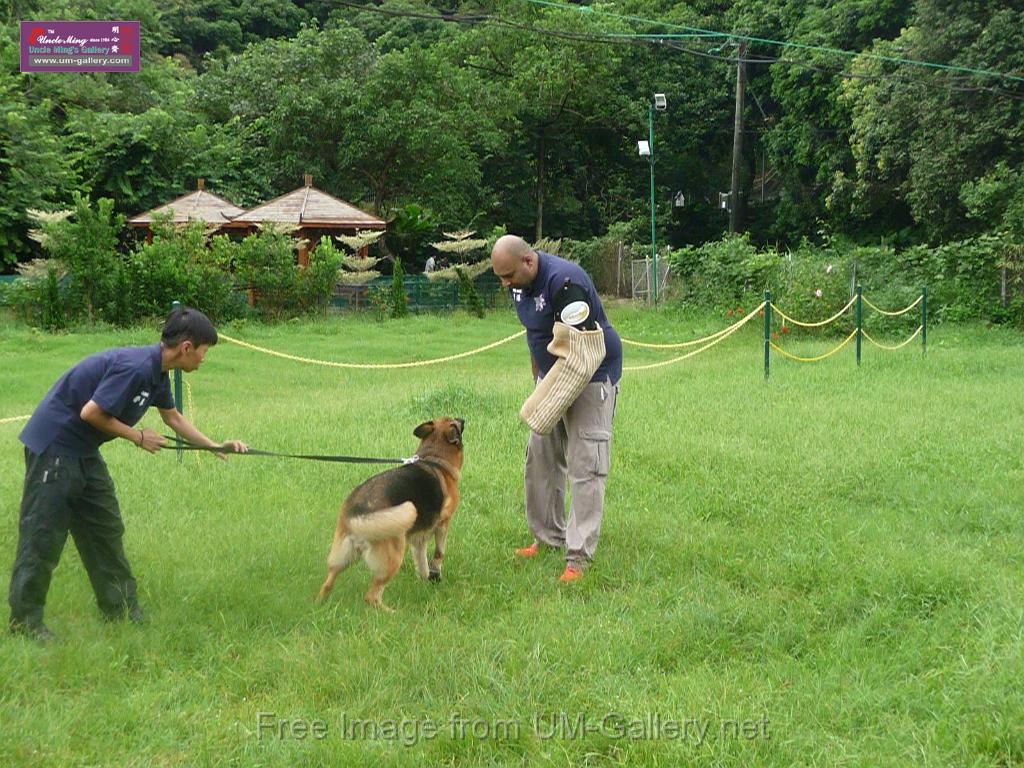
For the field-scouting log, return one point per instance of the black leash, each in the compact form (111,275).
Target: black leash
(184,445)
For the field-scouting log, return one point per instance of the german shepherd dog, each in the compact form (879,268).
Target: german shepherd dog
(407,503)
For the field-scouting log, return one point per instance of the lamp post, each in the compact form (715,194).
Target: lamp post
(647,148)
(654,244)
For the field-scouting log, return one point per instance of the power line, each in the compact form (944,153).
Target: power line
(669,40)
(783,43)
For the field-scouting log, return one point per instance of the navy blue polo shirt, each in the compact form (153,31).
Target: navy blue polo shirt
(536,312)
(124,382)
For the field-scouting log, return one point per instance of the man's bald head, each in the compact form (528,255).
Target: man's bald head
(514,262)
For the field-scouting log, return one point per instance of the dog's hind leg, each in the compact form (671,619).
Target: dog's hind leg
(418,545)
(384,559)
(343,552)
(440,537)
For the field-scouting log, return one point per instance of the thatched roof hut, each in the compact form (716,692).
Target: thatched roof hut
(312,211)
(199,205)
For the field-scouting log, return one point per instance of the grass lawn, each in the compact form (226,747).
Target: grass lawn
(826,568)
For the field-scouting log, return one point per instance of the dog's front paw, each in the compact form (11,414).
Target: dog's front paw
(435,575)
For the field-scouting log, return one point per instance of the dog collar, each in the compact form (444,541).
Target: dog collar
(439,463)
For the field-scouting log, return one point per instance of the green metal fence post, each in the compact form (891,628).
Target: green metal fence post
(924,318)
(177,390)
(767,329)
(858,324)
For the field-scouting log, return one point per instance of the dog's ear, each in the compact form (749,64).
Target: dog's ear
(455,432)
(423,430)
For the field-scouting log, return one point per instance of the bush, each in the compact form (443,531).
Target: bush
(317,281)
(179,265)
(264,264)
(962,279)
(86,245)
(399,301)
(468,294)
(39,295)
(599,256)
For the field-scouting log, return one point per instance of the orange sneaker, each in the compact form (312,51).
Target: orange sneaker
(570,574)
(529,551)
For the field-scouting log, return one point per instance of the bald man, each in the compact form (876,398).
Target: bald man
(547,289)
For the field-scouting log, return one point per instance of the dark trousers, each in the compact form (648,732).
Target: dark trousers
(64,494)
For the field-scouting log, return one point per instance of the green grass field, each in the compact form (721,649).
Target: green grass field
(826,568)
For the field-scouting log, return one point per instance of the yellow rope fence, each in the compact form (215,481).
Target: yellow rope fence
(721,336)
(371,366)
(834,317)
(893,314)
(679,344)
(707,342)
(893,348)
(791,356)
(11,419)
(837,315)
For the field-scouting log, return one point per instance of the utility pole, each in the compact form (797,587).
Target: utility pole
(735,196)
(654,243)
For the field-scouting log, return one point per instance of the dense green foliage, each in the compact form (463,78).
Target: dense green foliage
(962,278)
(526,116)
(256,276)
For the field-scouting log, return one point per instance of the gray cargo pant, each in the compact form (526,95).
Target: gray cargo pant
(579,446)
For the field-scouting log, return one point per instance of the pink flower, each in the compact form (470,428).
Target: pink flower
(818,293)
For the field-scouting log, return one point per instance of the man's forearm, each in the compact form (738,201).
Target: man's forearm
(184,428)
(99,419)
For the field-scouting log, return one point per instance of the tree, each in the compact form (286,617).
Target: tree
(409,232)
(357,269)
(423,141)
(565,104)
(86,245)
(227,25)
(919,136)
(286,100)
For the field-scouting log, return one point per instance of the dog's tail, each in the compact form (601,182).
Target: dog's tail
(384,524)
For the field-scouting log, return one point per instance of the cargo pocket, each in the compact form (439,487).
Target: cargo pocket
(595,449)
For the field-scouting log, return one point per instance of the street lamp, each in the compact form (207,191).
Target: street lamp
(646,149)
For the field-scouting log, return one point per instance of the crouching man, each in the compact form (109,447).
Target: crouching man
(67,485)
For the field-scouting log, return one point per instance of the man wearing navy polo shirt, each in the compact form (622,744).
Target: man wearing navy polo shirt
(67,485)
(547,289)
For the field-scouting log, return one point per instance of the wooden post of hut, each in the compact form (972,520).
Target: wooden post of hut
(304,247)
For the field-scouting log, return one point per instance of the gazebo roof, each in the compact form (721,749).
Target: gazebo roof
(195,206)
(308,206)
